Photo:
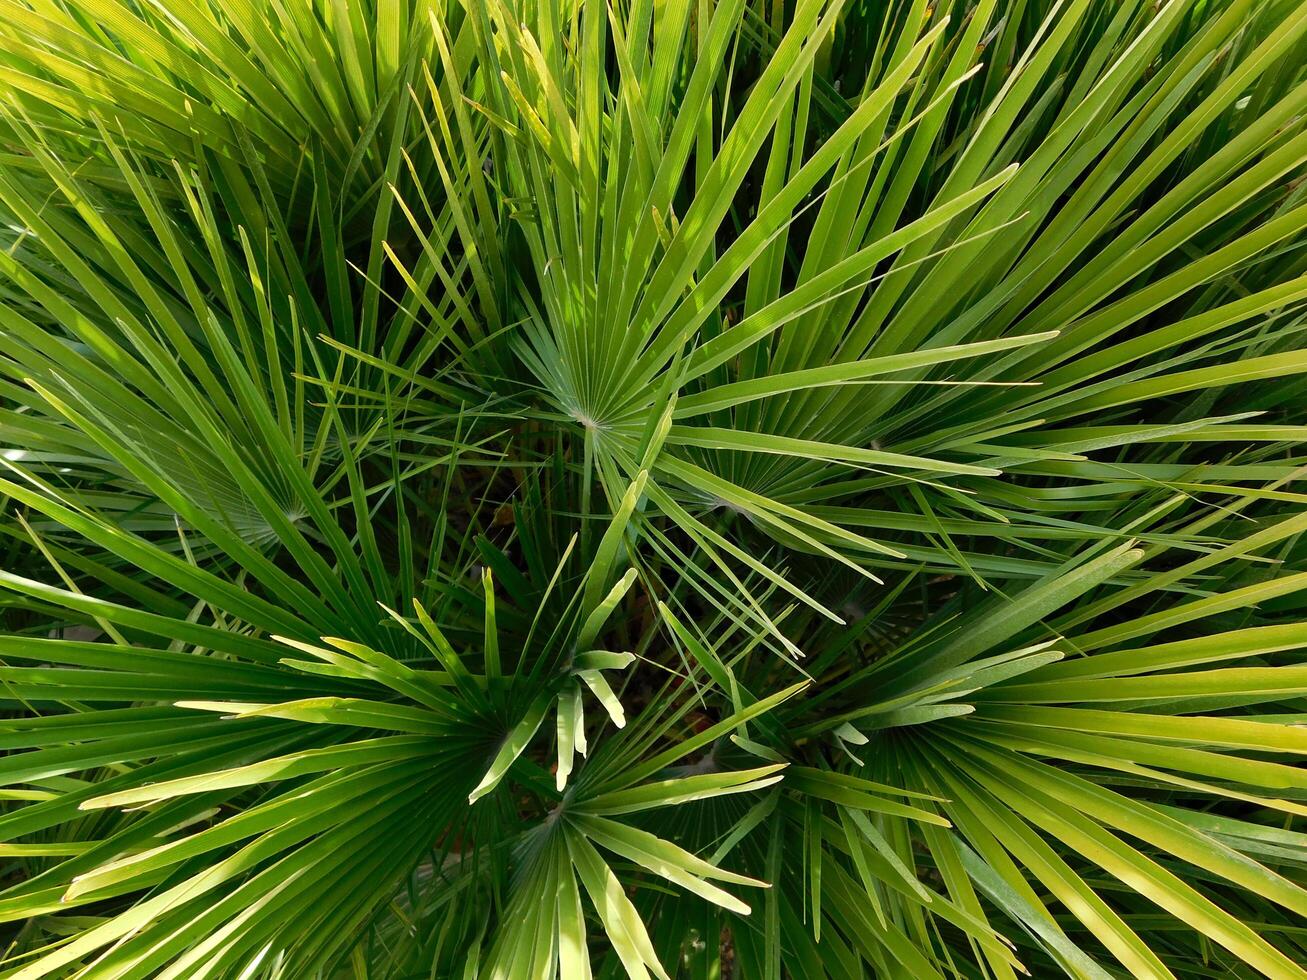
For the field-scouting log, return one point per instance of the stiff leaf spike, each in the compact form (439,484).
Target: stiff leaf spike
(512,747)
(602,660)
(595,621)
(621,921)
(357,712)
(491,635)
(578,721)
(720,675)
(666,860)
(433,639)
(670,792)
(566,734)
(606,554)
(847,735)
(603,691)
(367,664)
(657,435)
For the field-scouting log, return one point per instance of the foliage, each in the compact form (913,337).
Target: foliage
(745,489)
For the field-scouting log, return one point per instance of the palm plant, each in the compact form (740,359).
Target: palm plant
(744,489)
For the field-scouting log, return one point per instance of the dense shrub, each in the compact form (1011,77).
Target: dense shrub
(541,488)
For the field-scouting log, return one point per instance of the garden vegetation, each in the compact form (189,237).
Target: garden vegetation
(707,489)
